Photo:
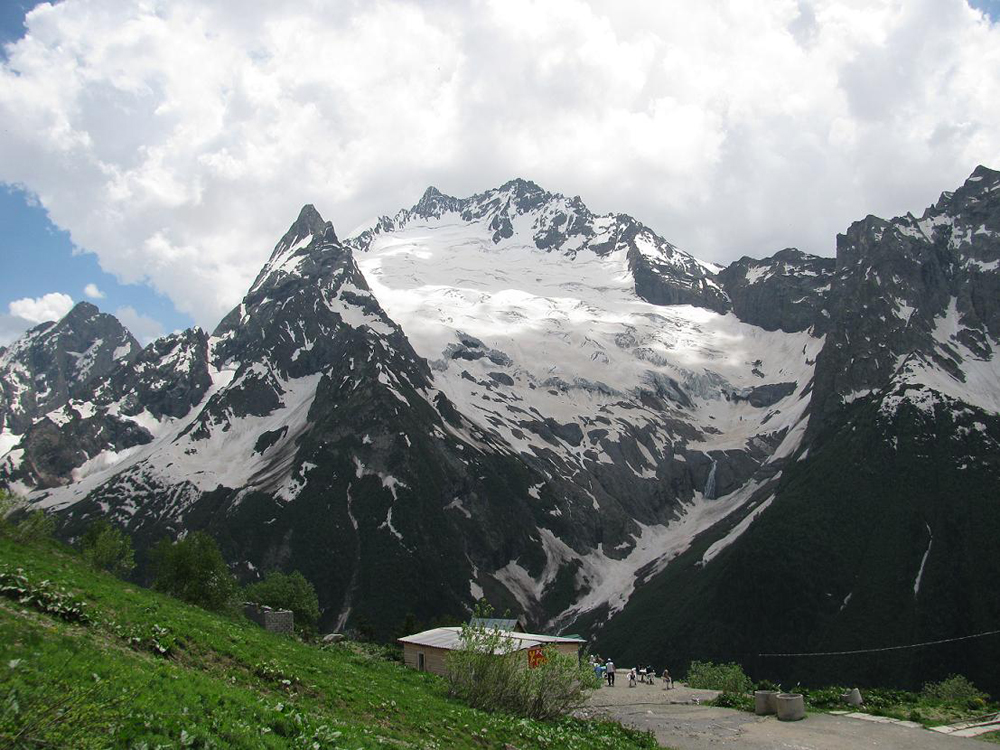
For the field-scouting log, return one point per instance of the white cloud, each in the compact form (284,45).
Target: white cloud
(178,140)
(141,326)
(51,306)
(93,292)
(11,328)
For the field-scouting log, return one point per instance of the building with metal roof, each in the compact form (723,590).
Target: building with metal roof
(428,651)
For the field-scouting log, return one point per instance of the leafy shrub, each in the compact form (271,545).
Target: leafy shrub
(376,651)
(30,526)
(882,699)
(192,569)
(108,548)
(9,502)
(271,671)
(291,591)
(44,596)
(767,685)
(490,673)
(145,636)
(955,689)
(33,527)
(828,697)
(729,678)
(740,701)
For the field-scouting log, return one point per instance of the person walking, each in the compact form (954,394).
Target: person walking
(610,671)
(668,681)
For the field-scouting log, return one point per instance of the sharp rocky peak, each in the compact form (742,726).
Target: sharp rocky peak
(308,224)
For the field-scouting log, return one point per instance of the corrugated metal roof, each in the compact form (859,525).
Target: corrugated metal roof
(451,639)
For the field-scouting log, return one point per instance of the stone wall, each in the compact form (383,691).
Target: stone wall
(275,620)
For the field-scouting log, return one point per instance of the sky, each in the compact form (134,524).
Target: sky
(152,152)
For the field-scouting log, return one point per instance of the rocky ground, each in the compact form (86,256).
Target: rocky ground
(678,720)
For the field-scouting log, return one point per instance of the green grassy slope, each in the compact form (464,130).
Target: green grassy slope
(224,683)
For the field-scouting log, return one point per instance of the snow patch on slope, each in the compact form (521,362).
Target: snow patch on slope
(712,552)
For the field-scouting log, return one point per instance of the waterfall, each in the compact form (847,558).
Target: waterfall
(710,482)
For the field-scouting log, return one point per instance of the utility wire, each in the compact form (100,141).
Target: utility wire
(886,648)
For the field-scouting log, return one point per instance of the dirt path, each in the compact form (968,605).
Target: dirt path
(678,722)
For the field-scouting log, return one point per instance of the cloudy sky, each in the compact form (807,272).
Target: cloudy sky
(153,151)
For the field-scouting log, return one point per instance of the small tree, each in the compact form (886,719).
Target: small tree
(408,626)
(34,526)
(31,526)
(490,672)
(290,591)
(364,628)
(9,502)
(107,547)
(192,569)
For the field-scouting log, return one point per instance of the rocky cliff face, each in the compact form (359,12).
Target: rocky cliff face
(789,291)
(915,294)
(885,529)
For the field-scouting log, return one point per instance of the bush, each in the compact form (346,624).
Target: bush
(33,527)
(489,673)
(9,502)
(829,697)
(729,678)
(108,548)
(291,591)
(955,689)
(740,701)
(192,569)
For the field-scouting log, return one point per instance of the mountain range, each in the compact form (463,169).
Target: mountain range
(508,396)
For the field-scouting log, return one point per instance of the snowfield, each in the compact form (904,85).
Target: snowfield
(580,343)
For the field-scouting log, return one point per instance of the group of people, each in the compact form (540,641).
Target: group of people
(606,671)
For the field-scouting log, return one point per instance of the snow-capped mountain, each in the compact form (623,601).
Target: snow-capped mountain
(886,530)
(52,361)
(508,395)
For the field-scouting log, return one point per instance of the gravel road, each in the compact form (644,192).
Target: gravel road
(677,722)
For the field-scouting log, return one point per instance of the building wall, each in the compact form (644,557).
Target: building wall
(274,620)
(435,658)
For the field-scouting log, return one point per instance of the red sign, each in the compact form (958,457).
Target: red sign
(536,657)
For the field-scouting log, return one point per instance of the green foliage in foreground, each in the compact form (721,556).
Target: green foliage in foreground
(951,700)
(729,678)
(739,701)
(223,683)
(955,689)
(489,673)
(945,702)
(41,595)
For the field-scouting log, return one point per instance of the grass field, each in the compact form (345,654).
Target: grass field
(147,671)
